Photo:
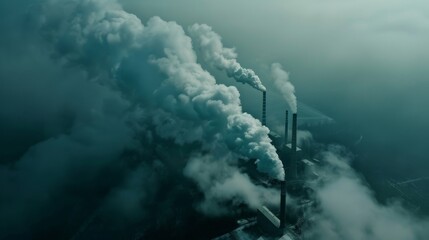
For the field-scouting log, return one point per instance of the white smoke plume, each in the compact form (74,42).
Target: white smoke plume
(193,97)
(185,103)
(126,107)
(224,185)
(281,81)
(209,43)
(189,98)
(348,208)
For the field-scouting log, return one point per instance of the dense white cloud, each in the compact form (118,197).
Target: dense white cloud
(348,208)
(145,92)
(189,95)
(224,185)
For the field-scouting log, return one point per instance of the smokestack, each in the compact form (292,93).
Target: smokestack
(264,108)
(286,126)
(282,205)
(294,123)
(293,170)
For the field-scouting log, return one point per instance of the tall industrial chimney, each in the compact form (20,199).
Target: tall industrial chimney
(264,108)
(293,170)
(286,126)
(282,205)
(294,123)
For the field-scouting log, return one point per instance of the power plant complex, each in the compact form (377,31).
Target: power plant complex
(286,222)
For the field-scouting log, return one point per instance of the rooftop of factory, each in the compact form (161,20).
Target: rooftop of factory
(250,231)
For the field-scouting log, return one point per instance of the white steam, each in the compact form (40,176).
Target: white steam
(281,81)
(209,43)
(211,113)
(349,210)
(123,97)
(224,185)
(158,63)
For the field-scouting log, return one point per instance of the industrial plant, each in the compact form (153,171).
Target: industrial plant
(285,222)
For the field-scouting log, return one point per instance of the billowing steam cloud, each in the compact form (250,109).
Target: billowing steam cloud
(223,184)
(281,80)
(348,209)
(210,45)
(129,107)
(188,105)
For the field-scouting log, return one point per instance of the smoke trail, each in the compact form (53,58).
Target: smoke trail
(281,80)
(348,209)
(215,113)
(223,184)
(125,108)
(105,40)
(189,96)
(210,45)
